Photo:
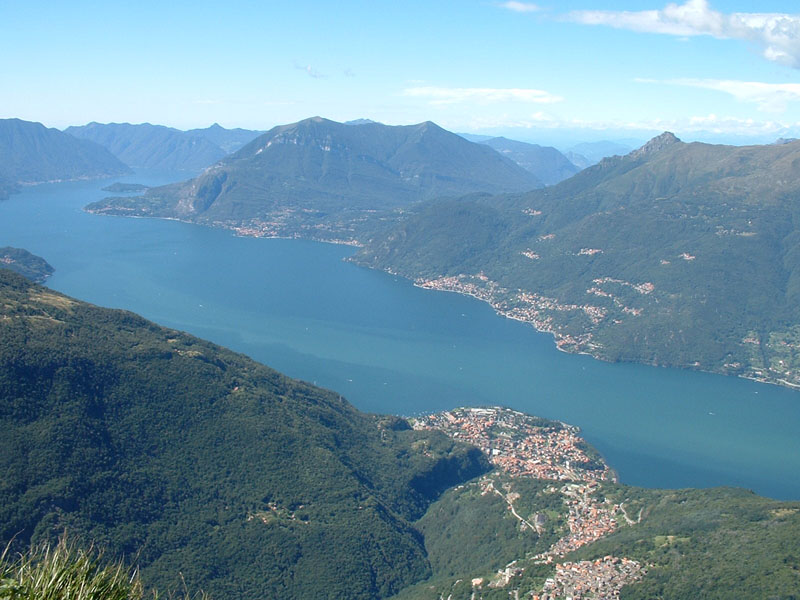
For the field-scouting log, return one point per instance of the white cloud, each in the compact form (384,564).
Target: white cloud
(699,124)
(521,7)
(310,71)
(777,34)
(442,95)
(770,97)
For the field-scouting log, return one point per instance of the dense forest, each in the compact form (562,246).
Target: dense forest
(683,255)
(197,462)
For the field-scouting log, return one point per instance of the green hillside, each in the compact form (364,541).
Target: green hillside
(152,146)
(230,140)
(322,179)
(32,153)
(677,254)
(717,543)
(537,527)
(194,461)
(26,264)
(547,163)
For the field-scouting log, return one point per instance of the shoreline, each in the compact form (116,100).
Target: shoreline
(568,343)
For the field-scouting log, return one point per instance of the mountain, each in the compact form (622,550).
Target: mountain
(26,264)
(673,544)
(547,163)
(317,178)
(676,254)
(360,122)
(579,160)
(229,140)
(32,153)
(213,472)
(152,146)
(594,152)
(201,464)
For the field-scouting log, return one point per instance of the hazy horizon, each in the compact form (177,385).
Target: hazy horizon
(547,73)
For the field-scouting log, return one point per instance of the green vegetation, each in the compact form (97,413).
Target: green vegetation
(32,153)
(717,544)
(678,254)
(469,530)
(26,264)
(65,572)
(151,146)
(230,140)
(199,461)
(322,179)
(547,163)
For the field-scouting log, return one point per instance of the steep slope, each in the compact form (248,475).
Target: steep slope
(32,153)
(537,527)
(151,146)
(318,178)
(197,461)
(26,264)
(230,140)
(547,163)
(676,254)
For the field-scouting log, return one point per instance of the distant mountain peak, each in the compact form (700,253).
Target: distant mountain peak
(657,144)
(361,122)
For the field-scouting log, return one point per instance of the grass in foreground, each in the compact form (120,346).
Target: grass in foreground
(66,572)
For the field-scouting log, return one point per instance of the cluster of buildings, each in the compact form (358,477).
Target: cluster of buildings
(588,520)
(280,227)
(521,445)
(478,286)
(528,307)
(526,446)
(601,578)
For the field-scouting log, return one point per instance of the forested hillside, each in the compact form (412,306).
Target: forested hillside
(197,462)
(677,254)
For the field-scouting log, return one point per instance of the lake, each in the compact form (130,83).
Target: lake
(390,347)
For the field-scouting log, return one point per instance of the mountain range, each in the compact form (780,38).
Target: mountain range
(213,472)
(165,148)
(675,254)
(319,177)
(547,163)
(229,140)
(32,153)
(593,152)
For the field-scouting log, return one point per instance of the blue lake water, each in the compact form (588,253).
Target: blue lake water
(390,347)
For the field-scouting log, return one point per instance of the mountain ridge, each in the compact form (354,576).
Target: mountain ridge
(151,146)
(675,254)
(319,178)
(31,153)
(546,162)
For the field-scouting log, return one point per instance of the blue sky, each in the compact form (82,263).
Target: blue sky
(543,71)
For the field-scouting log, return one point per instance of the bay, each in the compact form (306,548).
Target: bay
(388,346)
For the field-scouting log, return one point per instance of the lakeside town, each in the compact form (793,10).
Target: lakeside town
(521,445)
(528,307)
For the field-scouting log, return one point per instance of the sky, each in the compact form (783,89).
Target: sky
(556,72)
